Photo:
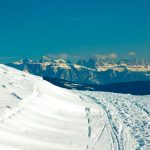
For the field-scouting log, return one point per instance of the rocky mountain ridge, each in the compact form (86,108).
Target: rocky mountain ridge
(92,71)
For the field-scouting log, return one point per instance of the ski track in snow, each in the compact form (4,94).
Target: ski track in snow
(36,115)
(126,114)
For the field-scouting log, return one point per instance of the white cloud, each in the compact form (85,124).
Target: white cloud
(106,56)
(59,56)
(113,56)
(132,53)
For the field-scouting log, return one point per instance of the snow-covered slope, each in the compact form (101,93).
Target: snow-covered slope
(36,115)
(128,117)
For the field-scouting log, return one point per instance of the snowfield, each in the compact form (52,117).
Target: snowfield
(36,115)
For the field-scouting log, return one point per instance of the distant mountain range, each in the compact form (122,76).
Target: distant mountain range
(91,71)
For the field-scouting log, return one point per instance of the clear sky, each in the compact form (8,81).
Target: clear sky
(76,27)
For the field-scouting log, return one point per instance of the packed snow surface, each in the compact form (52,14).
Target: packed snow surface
(36,115)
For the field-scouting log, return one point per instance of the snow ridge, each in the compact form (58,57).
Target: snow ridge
(36,115)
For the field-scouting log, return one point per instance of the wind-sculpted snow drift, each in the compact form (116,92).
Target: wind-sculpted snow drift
(36,115)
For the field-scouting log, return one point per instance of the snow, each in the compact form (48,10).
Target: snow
(36,115)
(128,117)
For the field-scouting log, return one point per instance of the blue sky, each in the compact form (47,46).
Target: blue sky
(75,27)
